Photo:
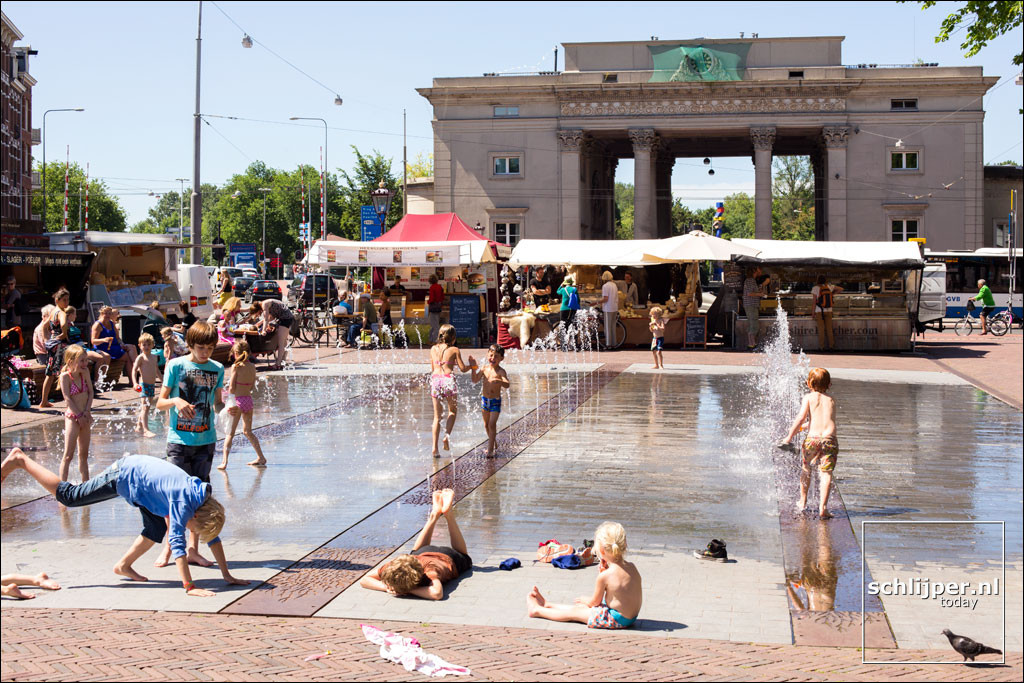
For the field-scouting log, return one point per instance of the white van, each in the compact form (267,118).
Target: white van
(194,285)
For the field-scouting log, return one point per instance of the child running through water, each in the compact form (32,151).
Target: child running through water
(821,446)
(618,593)
(144,374)
(444,355)
(77,389)
(657,326)
(238,400)
(495,379)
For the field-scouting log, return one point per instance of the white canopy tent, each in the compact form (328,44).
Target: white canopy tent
(532,252)
(328,253)
(697,245)
(893,255)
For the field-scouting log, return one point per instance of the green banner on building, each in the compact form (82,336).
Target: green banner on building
(724,62)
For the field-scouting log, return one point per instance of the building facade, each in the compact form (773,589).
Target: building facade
(999,182)
(18,136)
(896,151)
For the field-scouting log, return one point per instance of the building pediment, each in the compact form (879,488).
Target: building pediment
(704,105)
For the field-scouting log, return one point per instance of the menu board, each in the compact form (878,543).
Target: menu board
(464,315)
(695,330)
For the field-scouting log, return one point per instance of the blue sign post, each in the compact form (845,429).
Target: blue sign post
(369,224)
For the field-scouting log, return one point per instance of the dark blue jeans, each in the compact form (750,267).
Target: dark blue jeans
(104,487)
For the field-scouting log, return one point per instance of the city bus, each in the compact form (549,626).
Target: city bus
(965,268)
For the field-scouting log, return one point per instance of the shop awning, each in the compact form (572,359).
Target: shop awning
(881,255)
(531,252)
(697,245)
(438,227)
(398,254)
(44,258)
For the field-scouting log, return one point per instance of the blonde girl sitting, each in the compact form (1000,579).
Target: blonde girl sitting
(618,592)
(238,400)
(76,386)
(228,317)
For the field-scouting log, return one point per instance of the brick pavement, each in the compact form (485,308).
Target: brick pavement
(69,645)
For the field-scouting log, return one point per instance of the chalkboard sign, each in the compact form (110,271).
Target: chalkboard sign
(695,330)
(464,315)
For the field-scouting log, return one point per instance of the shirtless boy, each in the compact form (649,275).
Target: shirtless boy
(144,374)
(495,379)
(821,446)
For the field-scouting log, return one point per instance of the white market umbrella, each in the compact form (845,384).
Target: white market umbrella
(697,246)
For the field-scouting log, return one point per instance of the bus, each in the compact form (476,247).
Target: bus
(965,268)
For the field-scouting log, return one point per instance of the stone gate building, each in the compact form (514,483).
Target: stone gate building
(896,151)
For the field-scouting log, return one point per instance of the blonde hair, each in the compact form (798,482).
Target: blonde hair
(818,379)
(209,519)
(146,337)
(106,310)
(607,276)
(70,310)
(402,574)
(657,311)
(47,312)
(166,333)
(611,538)
(72,354)
(446,335)
(231,305)
(240,350)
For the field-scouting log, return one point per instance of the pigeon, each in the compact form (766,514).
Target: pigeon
(967,647)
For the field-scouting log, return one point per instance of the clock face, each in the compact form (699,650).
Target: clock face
(700,62)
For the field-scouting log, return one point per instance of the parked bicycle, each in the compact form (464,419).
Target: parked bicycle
(965,326)
(1006,316)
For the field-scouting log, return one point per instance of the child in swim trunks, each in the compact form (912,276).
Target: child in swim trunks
(618,593)
(495,379)
(444,356)
(144,374)
(657,327)
(238,399)
(821,446)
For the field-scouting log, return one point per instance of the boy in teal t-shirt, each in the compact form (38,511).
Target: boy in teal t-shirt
(988,304)
(192,392)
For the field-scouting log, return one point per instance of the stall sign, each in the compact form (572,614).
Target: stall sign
(464,316)
(695,330)
(22,258)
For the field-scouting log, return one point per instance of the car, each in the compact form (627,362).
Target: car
(262,290)
(251,272)
(302,289)
(221,272)
(240,285)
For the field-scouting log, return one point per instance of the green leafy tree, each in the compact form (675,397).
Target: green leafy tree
(147,226)
(422,167)
(105,210)
(1008,163)
(356,187)
(684,218)
(793,198)
(623,211)
(986,21)
(738,215)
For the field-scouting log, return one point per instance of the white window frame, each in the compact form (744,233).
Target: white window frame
(493,157)
(1000,228)
(506,221)
(904,152)
(509,111)
(892,218)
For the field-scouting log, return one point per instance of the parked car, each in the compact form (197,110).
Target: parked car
(262,290)
(302,289)
(251,272)
(240,285)
(194,286)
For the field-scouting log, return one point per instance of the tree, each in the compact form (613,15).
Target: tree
(147,226)
(355,191)
(684,218)
(623,211)
(1008,162)
(738,216)
(793,198)
(987,21)
(105,211)
(423,167)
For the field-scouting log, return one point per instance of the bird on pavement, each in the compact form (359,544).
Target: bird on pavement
(967,647)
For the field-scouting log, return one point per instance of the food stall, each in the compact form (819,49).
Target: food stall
(874,312)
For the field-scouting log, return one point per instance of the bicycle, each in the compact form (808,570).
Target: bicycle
(1006,317)
(965,326)
(12,388)
(620,332)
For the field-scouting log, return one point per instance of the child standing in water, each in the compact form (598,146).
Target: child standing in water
(618,593)
(495,379)
(821,446)
(657,326)
(77,390)
(144,374)
(239,403)
(444,355)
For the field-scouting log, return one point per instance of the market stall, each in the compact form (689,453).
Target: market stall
(875,309)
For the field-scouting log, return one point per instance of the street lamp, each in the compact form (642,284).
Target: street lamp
(44,156)
(263,249)
(337,101)
(382,203)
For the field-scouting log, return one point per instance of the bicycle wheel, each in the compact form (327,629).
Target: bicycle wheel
(11,386)
(964,326)
(998,326)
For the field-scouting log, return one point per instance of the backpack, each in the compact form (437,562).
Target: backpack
(824,298)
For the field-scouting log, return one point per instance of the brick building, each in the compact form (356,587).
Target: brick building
(17,132)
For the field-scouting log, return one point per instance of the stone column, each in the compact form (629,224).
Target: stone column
(763,138)
(644,152)
(663,191)
(835,178)
(609,185)
(818,168)
(569,142)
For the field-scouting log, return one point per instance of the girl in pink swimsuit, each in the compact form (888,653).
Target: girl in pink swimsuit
(77,390)
(238,399)
(444,355)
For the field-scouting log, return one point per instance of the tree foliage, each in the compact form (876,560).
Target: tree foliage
(105,211)
(623,211)
(986,22)
(793,199)
(422,167)
(355,191)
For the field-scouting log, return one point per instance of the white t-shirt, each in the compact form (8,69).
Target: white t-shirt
(612,292)
(815,293)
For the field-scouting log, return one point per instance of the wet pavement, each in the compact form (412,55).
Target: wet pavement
(672,456)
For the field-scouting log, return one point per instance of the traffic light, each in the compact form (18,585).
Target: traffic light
(219,252)
(261,257)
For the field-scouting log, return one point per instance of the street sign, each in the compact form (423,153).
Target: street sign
(369,224)
(243,254)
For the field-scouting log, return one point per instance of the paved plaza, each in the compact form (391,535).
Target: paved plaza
(678,457)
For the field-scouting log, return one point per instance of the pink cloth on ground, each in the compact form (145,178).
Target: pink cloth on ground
(408,653)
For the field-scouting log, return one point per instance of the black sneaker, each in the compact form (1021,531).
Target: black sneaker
(715,552)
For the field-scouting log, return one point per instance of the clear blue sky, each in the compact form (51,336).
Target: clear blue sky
(132,66)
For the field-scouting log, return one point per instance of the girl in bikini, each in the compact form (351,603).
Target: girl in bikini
(77,390)
(239,403)
(444,355)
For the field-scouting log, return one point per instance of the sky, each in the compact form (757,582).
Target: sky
(131,65)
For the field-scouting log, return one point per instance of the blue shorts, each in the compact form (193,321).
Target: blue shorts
(490,404)
(657,343)
(148,390)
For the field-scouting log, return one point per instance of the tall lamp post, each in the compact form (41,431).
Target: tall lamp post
(337,101)
(381,198)
(263,248)
(44,155)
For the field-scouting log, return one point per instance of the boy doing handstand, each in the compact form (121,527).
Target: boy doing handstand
(618,592)
(821,446)
(158,489)
(495,379)
(424,572)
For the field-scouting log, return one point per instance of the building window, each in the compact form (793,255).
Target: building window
(506,166)
(506,111)
(904,105)
(999,234)
(904,229)
(507,232)
(903,161)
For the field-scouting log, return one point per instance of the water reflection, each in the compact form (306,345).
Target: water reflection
(811,584)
